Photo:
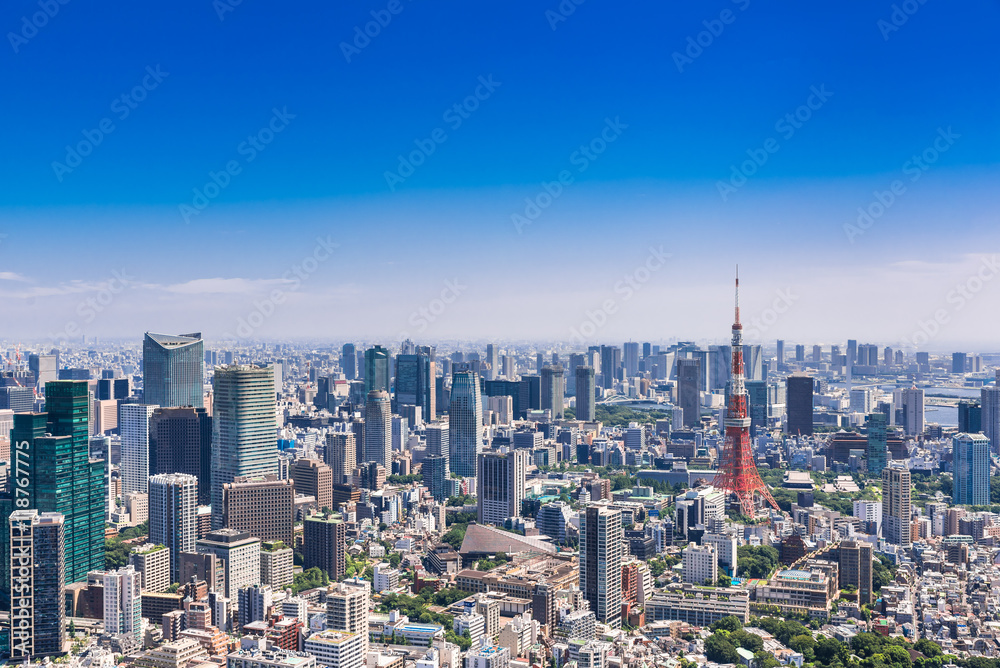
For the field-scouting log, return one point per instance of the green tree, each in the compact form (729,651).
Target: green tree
(720,650)
(728,623)
(928,648)
(828,651)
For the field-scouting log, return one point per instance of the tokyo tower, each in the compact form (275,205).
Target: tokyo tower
(738,474)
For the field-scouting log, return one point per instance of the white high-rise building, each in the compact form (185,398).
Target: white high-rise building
(869,511)
(173,515)
(700,564)
(337,649)
(347,608)
(123,602)
(725,548)
(134,430)
(896,509)
(601,550)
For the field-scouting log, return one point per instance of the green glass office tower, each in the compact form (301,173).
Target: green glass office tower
(877,444)
(51,471)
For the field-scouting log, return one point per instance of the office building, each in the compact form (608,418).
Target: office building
(43,368)
(313,478)
(878,443)
(913,411)
(54,473)
(324,544)
(378,429)
(553,390)
(896,511)
(971,458)
(277,562)
(339,455)
(856,568)
(990,415)
(492,362)
(500,485)
(37,580)
(970,417)
(134,431)
(173,518)
(239,553)
(152,563)
(611,365)
(586,394)
(799,405)
(688,390)
(435,472)
(630,358)
(465,423)
(17,399)
(244,428)
(261,505)
(757,405)
(438,441)
(173,370)
(123,602)
(601,550)
(254,604)
(377,374)
(180,441)
(349,361)
(415,375)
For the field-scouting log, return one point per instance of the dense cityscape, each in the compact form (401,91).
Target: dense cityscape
(284,505)
(545,334)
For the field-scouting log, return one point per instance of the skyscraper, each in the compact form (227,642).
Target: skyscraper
(611,364)
(435,470)
(378,429)
(376,369)
(349,361)
(173,370)
(244,428)
(493,362)
(415,382)
(757,405)
(970,417)
(896,510)
(180,441)
(878,444)
(500,485)
(971,454)
(340,454)
(688,392)
(913,411)
(601,548)
(134,429)
(438,442)
(799,404)
(173,515)
(54,473)
(781,353)
(313,478)
(990,415)
(856,568)
(123,602)
(465,423)
(631,358)
(586,394)
(553,390)
(37,578)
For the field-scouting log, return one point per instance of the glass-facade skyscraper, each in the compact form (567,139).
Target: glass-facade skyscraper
(465,423)
(972,470)
(173,370)
(376,369)
(415,383)
(878,444)
(349,361)
(244,428)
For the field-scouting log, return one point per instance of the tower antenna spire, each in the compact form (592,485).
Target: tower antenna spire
(737,294)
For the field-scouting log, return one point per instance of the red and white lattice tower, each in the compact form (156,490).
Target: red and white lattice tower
(738,474)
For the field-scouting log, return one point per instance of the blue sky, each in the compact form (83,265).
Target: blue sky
(889,91)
